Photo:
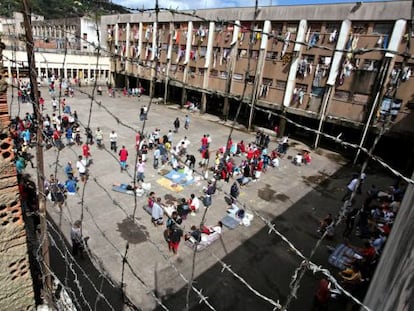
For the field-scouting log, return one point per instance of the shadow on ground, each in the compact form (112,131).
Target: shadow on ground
(266,261)
(82,278)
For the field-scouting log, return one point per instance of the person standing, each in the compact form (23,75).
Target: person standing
(123,157)
(113,137)
(86,152)
(157,155)
(78,242)
(194,203)
(99,136)
(176,125)
(174,232)
(187,122)
(81,167)
(234,192)
(140,170)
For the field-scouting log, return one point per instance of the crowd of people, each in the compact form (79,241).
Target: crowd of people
(237,163)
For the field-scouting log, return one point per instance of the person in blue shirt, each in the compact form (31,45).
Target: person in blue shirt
(69,170)
(71,186)
(20,164)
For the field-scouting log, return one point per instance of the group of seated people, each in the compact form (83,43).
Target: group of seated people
(302,158)
(373,221)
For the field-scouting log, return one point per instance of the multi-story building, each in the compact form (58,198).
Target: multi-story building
(332,65)
(77,36)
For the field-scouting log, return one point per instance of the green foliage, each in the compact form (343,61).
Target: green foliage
(52,9)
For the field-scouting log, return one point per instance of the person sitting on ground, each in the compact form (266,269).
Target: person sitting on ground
(213,229)
(307,157)
(194,234)
(183,209)
(351,276)
(157,213)
(325,222)
(297,160)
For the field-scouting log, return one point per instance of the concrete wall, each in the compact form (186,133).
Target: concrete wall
(392,287)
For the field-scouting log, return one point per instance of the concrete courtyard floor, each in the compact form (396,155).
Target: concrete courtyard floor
(291,197)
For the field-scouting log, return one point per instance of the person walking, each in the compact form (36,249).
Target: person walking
(123,157)
(78,241)
(187,122)
(176,125)
(140,170)
(234,192)
(86,152)
(113,137)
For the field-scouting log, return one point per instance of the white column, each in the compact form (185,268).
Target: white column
(188,43)
(127,44)
(154,40)
(117,37)
(337,58)
(210,44)
(140,30)
(297,53)
(9,71)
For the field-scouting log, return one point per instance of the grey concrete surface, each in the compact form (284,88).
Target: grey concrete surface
(292,197)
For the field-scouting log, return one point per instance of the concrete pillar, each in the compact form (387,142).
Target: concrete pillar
(117,37)
(297,53)
(154,40)
(127,45)
(267,27)
(186,61)
(169,53)
(333,74)
(9,71)
(207,65)
(231,64)
(140,30)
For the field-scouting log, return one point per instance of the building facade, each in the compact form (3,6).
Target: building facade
(77,36)
(338,63)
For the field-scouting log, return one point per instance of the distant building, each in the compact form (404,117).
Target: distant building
(79,36)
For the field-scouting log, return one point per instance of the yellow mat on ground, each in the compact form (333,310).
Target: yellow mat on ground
(166,183)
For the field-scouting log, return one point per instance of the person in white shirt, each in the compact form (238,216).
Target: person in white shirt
(350,188)
(194,204)
(81,167)
(113,137)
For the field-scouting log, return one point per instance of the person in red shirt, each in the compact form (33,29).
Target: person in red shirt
(204,142)
(86,152)
(322,296)
(241,147)
(123,157)
(250,154)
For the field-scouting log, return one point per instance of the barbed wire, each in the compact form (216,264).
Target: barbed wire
(242,96)
(73,261)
